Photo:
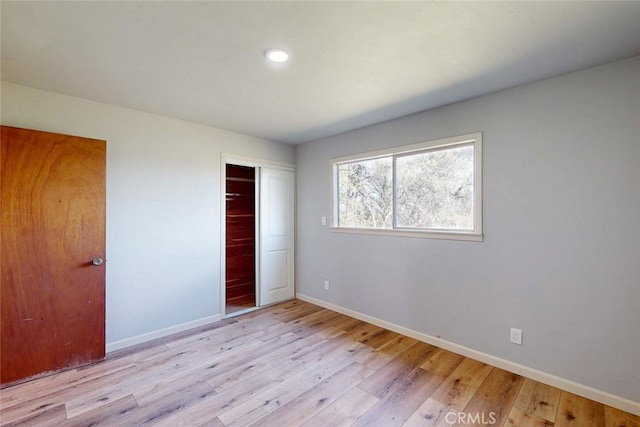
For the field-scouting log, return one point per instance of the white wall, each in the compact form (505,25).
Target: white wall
(561,255)
(163,204)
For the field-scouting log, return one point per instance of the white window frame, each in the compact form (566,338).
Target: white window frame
(473,139)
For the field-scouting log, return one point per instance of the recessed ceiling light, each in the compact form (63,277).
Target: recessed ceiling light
(277,55)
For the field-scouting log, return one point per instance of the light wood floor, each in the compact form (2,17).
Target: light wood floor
(295,364)
(240,303)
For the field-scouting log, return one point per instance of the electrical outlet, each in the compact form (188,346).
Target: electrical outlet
(516,336)
(326,285)
(323,220)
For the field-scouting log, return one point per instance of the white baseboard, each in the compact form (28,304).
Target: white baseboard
(139,339)
(534,374)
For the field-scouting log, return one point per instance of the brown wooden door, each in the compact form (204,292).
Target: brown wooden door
(52,226)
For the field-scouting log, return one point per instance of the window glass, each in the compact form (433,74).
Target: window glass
(431,189)
(434,189)
(366,193)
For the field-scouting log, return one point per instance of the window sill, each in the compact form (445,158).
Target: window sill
(446,235)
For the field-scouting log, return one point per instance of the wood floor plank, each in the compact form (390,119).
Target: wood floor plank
(316,354)
(284,307)
(222,369)
(323,327)
(246,367)
(185,338)
(294,364)
(301,344)
(431,414)
(52,384)
(317,322)
(157,391)
(397,406)
(101,396)
(112,414)
(495,397)
(211,360)
(123,360)
(167,404)
(177,356)
(298,324)
(520,418)
(316,398)
(388,351)
(392,375)
(362,331)
(538,399)
(212,423)
(442,362)
(297,311)
(209,408)
(329,332)
(48,417)
(344,323)
(181,365)
(176,366)
(189,372)
(574,410)
(30,407)
(164,341)
(345,411)
(617,418)
(458,388)
(379,338)
(262,404)
(213,337)
(271,330)
(411,389)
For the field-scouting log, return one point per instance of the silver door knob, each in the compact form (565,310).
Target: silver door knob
(97,261)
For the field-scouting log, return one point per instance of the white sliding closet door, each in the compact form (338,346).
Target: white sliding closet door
(276,272)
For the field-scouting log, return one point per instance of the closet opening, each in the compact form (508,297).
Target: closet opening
(240,244)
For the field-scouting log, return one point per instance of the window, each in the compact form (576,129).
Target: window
(432,189)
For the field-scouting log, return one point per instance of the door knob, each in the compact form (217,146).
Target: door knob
(97,261)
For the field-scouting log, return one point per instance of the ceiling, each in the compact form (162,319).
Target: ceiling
(352,63)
